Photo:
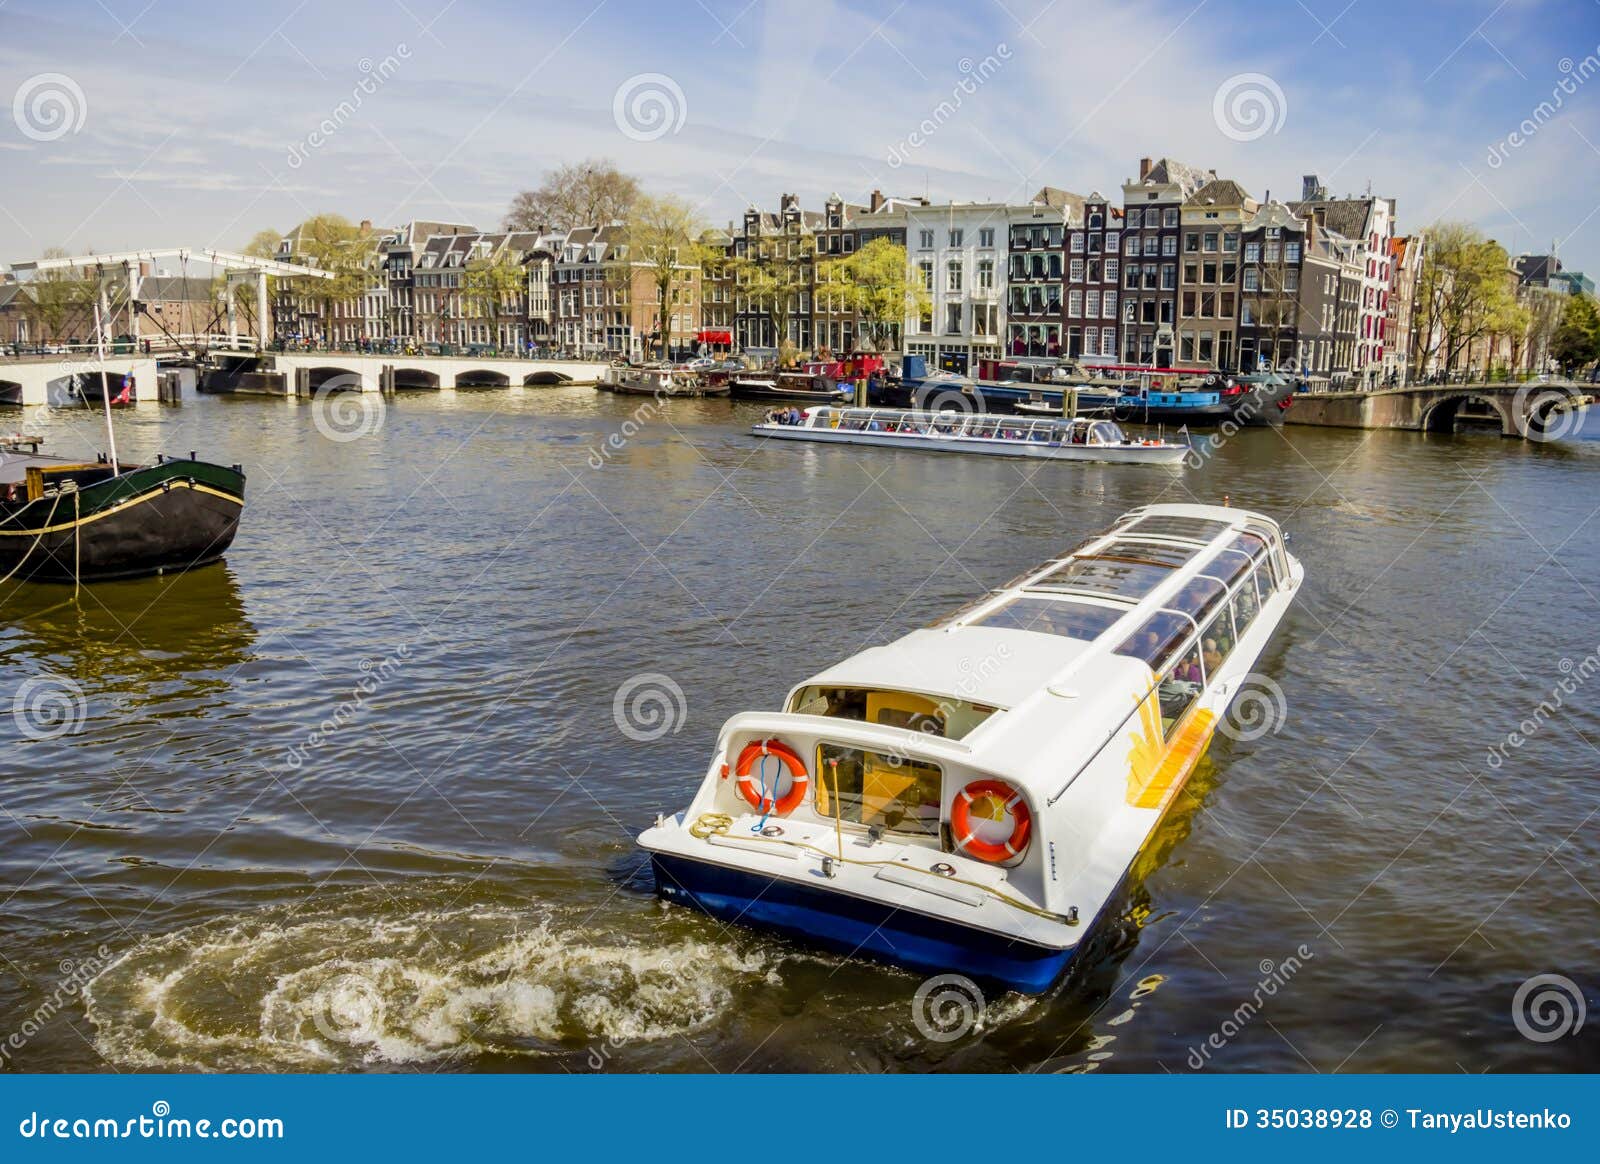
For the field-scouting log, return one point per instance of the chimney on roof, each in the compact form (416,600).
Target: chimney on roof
(1312,190)
(1145,166)
(877,200)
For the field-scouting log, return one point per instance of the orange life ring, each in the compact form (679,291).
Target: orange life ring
(750,787)
(966,837)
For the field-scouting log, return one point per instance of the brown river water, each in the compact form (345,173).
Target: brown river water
(356,799)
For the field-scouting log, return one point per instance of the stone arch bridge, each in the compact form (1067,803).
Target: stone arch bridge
(1531,411)
(280,373)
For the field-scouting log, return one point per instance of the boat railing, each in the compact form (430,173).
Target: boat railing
(948,423)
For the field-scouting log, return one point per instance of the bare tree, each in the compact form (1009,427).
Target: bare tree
(591,192)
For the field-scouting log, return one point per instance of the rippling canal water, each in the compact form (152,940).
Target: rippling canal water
(356,799)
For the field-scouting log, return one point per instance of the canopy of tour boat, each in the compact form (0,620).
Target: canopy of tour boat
(1060,439)
(964,798)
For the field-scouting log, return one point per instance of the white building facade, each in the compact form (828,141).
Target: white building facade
(957,252)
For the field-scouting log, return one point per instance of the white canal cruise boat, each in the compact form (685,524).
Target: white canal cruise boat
(970,798)
(1078,438)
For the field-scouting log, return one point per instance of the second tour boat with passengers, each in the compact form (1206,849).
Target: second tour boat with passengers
(971,797)
(1061,439)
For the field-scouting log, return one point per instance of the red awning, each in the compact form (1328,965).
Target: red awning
(715,337)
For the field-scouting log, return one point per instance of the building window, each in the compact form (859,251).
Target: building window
(1091,305)
(1075,303)
(1191,242)
(952,319)
(1109,300)
(1230,244)
(1211,241)
(986,236)
(953,275)
(955,237)
(925,239)
(926,267)
(985,274)
(1291,253)
(1169,245)
(1077,242)
(1252,252)
(1152,244)
(1134,219)
(1075,271)
(1113,270)
(1169,217)
(1108,341)
(1252,279)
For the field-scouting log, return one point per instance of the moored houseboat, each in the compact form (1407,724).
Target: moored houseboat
(658,381)
(971,797)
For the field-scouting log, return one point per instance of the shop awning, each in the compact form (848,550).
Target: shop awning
(714,337)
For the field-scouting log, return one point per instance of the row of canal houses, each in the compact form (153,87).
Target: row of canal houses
(1186,268)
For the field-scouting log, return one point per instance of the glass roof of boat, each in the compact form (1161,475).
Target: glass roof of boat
(1166,525)
(1052,616)
(1125,568)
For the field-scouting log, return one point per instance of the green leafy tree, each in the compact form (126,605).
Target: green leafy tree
(1466,295)
(63,300)
(663,238)
(491,285)
(775,271)
(1577,339)
(333,243)
(876,284)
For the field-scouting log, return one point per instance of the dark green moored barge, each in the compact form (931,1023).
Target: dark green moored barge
(63,521)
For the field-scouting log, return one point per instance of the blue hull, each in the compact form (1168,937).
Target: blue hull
(859,928)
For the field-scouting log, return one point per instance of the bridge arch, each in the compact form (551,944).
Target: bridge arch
(482,378)
(415,380)
(1450,412)
(334,379)
(546,377)
(10,392)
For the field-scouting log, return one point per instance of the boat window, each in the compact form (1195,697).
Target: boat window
(1106,433)
(1070,620)
(1129,576)
(875,788)
(1158,639)
(1199,529)
(1179,688)
(1199,598)
(947,718)
(1245,605)
(1217,639)
(1156,553)
(1229,565)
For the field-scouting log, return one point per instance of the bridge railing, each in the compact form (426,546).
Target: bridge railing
(446,351)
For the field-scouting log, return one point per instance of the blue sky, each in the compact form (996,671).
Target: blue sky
(190,123)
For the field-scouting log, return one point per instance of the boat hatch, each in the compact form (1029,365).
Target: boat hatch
(891,790)
(948,718)
(1053,616)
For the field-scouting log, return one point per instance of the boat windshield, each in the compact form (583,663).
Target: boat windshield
(1106,433)
(949,718)
(901,794)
